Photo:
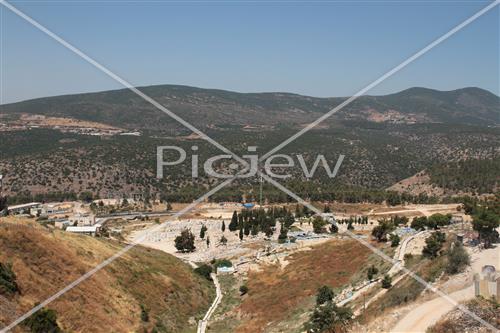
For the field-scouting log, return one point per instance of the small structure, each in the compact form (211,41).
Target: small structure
(248,205)
(82,220)
(456,218)
(487,283)
(88,230)
(61,223)
(23,209)
(225,270)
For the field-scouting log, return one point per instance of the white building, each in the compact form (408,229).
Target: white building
(23,209)
(88,230)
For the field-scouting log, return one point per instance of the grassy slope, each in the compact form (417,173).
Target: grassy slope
(109,301)
(279,299)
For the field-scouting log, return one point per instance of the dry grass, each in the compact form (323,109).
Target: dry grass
(276,293)
(109,301)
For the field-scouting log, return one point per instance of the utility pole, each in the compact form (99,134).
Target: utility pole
(260,194)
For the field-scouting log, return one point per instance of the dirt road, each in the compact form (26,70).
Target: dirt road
(428,313)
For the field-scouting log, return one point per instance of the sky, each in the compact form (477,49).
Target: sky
(317,48)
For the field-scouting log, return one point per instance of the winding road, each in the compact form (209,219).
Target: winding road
(427,314)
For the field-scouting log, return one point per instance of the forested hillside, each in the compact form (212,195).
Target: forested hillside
(453,135)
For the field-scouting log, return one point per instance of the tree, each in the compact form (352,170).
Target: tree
(223,227)
(298,212)
(334,229)
(329,318)
(350,226)
(43,321)
(223,240)
(241,234)
(325,294)
(208,242)
(485,223)
(372,271)
(319,225)
(458,259)
(203,230)
(433,244)
(169,206)
(326,209)
(394,238)
(185,241)
(283,234)
(382,229)
(233,225)
(386,282)
(419,223)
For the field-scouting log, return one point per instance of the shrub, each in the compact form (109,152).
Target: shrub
(185,241)
(43,321)
(386,282)
(144,314)
(8,282)
(458,259)
(205,271)
(325,294)
(243,290)
(394,240)
(372,271)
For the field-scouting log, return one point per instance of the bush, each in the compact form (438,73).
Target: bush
(185,241)
(372,271)
(43,321)
(394,240)
(144,314)
(458,259)
(386,282)
(205,271)
(243,290)
(8,282)
(325,294)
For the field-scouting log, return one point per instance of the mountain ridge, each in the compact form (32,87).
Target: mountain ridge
(215,107)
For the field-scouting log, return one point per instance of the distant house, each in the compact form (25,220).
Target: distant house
(487,283)
(24,208)
(88,230)
(82,220)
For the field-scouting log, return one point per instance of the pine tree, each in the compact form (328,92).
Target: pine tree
(241,234)
(202,231)
(223,228)
(233,225)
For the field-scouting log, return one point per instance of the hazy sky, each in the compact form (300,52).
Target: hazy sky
(314,48)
